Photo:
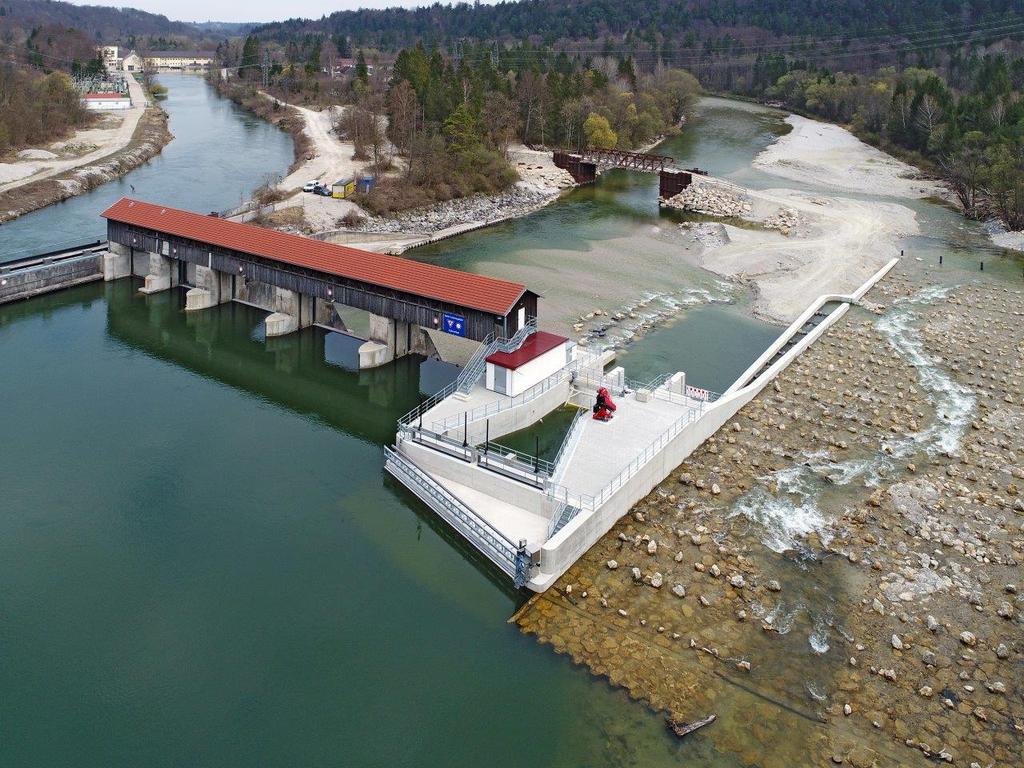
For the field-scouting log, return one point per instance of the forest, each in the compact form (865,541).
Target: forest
(451,119)
(937,83)
(962,120)
(660,24)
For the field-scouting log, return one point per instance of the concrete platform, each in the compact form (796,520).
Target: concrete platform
(605,448)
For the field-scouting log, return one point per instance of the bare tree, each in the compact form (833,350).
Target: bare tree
(532,86)
(500,120)
(964,170)
(405,112)
(929,115)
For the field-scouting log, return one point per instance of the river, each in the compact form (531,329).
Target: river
(201,559)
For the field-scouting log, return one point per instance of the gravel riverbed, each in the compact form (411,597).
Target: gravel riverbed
(837,572)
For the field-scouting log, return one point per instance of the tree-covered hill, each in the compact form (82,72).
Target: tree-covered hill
(651,21)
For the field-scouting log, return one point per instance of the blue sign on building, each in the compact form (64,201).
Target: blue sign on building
(454,324)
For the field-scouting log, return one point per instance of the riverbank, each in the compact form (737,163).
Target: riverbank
(790,245)
(840,563)
(141,135)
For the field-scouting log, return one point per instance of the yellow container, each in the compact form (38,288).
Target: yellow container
(344,188)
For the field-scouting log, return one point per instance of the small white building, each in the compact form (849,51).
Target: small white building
(132,62)
(541,355)
(107,101)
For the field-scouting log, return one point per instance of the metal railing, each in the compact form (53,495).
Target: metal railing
(501,459)
(509,557)
(469,375)
(477,364)
(536,464)
(487,410)
(646,455)
(562,516)
(565,451)
(427,404)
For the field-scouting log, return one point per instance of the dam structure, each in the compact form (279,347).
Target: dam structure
(533,518)
(304,282)
(300,281)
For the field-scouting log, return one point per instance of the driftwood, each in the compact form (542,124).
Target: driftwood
(680,728)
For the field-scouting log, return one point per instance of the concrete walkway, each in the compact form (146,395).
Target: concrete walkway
(514,522)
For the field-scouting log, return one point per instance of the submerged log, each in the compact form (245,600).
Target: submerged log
(681,729)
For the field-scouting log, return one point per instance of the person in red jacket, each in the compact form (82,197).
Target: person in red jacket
(604,406)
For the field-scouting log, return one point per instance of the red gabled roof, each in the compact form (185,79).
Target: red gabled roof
(536,344)
(451,286)
(106,95)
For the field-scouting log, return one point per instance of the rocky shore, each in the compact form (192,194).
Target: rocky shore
(150,137)
(836,573)
(478,210)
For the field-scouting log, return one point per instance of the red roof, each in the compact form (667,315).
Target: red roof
(106,96)
(536,344)
(451,286)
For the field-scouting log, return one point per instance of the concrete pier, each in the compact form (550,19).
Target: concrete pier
(390,338)
(211,288)
(159,275)
(117,263)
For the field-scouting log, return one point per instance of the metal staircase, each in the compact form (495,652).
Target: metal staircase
(478,362)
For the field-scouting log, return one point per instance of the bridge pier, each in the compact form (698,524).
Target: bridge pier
(672,181)
(159,275)
(390,338)
(581,171)
(212,288)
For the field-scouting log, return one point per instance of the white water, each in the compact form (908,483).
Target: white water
(788,516)
(953,402)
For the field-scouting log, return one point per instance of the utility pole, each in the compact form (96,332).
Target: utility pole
(265,69)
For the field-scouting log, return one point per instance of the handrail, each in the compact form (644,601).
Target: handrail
(427,404)
(465,375)
(572,438)
(476,365)
(648,453)
(498,547)
(537,465)
(497,406)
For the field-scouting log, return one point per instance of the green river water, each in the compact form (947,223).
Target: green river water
(202,561)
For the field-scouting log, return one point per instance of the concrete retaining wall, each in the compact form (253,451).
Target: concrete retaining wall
(24,284)
(512,419)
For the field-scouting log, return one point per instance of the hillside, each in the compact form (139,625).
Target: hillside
(670,26)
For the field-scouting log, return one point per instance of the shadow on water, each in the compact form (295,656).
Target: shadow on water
(291,371)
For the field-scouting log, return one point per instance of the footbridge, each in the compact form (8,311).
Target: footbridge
(584,164)
(303,282)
